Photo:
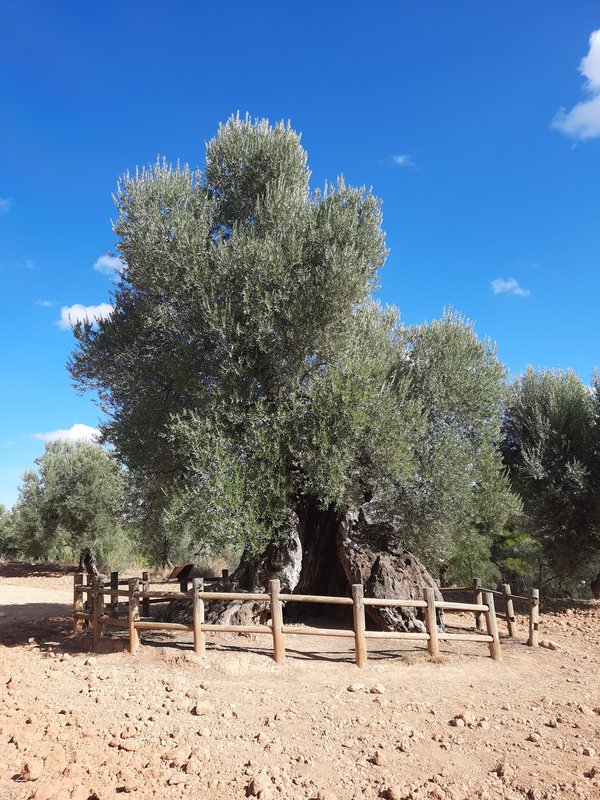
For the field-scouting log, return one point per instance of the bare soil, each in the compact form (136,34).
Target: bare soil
(165,724)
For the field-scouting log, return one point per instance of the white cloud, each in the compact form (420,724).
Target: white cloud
(403,160)
(510,286)
(78,433)
(583,120)
(45,303)
(109,265)
(5,204)
(70,315)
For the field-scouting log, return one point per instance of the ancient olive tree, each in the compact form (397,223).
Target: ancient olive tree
(252,387)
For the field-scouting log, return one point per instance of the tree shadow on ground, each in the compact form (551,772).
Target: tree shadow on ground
(24,569)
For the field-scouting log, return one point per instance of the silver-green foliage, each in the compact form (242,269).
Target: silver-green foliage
(71,499)
(246,365)
(552,448)
(458,497)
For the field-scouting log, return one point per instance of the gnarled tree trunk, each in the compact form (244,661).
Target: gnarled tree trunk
(324,553)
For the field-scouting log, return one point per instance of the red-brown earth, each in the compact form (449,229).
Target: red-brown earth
(76,725)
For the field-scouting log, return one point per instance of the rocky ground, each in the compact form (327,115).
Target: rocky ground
(81,726)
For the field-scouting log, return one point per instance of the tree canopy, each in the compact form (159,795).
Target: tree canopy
(246,365)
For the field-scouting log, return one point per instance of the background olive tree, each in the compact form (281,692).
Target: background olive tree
(551,447)
(72,498)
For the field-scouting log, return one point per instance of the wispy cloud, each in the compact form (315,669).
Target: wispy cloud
(583,120)
(109,265)
(403,160)
(510,286)
(71,315)
(78,433)
(45,303)
(5,204)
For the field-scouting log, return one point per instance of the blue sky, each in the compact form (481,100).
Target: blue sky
(478,124)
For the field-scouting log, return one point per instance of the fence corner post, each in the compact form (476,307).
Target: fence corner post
(509,610)
(492,627)
(114,599)
(433,645)
(478,600)
(134,615)
(145,600)
(198,617)
(358,610)
(98,611)
(77,603)
(277,621)
(534,618)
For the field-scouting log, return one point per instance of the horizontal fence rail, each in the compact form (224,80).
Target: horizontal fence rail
(139,594)
(532,602)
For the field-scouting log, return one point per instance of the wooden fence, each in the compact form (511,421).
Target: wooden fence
(139,593)
(532,604)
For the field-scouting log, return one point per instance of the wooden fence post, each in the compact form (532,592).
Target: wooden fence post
(88,605)
(534,618)
(183,585)
(277,621)
(360,641)
(145,600)
(134,615)
(98,584)
(198,617)
(433,645)
(114,600)
(77,603)
(509,610)
(492,627)
(478,600)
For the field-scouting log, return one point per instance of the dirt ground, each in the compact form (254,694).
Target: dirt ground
(165,724)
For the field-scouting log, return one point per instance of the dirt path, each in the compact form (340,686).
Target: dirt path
(234,725)
(22,606)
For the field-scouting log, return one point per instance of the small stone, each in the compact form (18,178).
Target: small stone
(89,662)
(592,773)
(193,766)
(324,795)
(589,751)
(356,687)
(457,722)
(534,737)
(394,792)
(378,689)
(130,745)
(256,786)
(196,693)
(380,759)
(548,644)
(32,770)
